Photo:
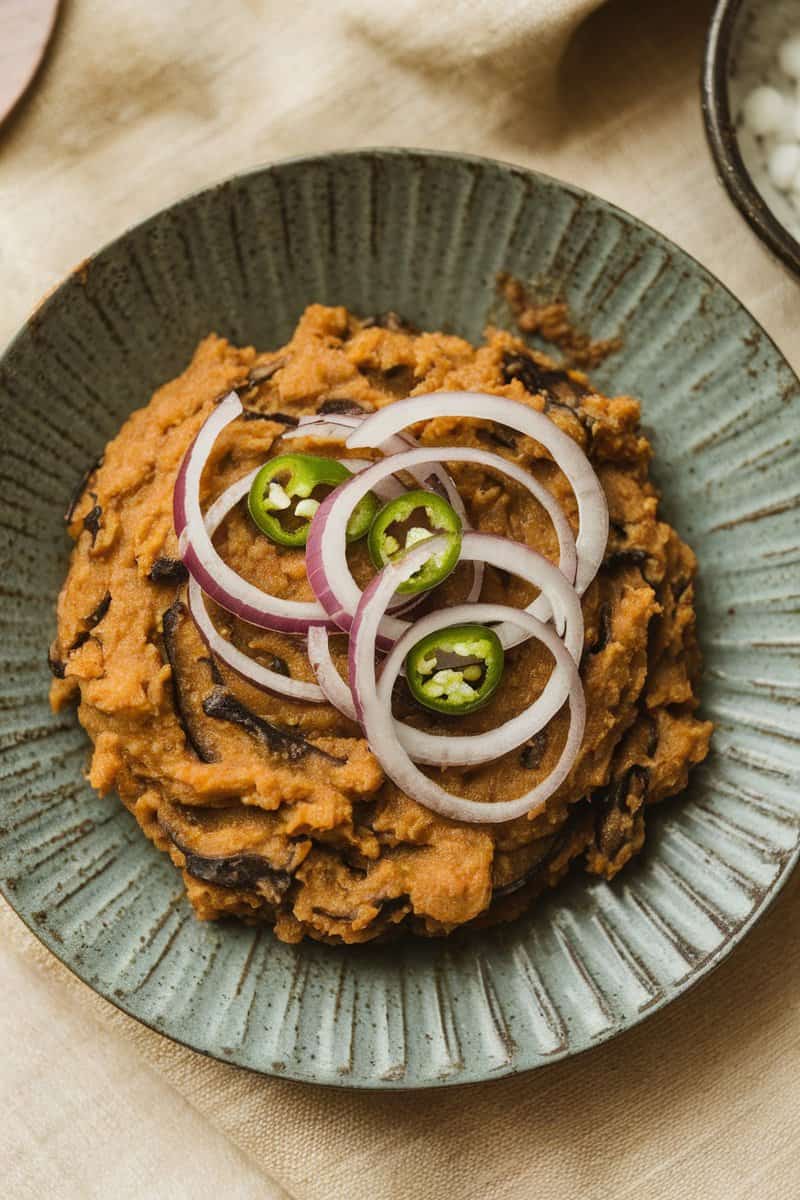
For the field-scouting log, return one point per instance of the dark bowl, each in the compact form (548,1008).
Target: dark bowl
(729,22)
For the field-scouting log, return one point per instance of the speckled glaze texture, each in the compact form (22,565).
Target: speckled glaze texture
(424,234)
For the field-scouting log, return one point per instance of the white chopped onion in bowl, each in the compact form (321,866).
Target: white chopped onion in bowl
(770,114)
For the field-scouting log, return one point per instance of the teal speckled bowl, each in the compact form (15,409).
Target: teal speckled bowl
(424,234)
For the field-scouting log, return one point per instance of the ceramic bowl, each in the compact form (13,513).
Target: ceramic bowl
(741,53)
(425,234)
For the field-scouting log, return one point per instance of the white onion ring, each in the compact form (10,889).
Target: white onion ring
(329,574)
(567,454)
(373,703)
(215,577)
(559,599)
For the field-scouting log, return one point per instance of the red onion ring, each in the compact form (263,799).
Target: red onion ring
(335,690)
(216,578)
(235,658)
(339,426)
(241,663)
(328,573)
(472,749)
(567,454)
(373,703)
(225,651)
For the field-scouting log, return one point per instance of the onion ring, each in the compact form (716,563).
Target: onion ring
(567,454)
(216,578)
(339,426)
(373,703)
(335,690)
(251,670)
(328,573)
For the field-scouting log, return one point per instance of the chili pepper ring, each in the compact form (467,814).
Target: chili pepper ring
(285,487)
(384,546)
(457,669)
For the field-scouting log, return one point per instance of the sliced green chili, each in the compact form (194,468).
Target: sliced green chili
(412,518)
(289,489)
(455,670)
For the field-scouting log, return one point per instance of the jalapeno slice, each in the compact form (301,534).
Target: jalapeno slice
(410,519)
(289,489)
(455,670)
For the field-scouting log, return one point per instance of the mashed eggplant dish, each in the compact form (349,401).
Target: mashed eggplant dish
(380,631)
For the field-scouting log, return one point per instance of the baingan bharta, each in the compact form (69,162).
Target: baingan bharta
(243,748)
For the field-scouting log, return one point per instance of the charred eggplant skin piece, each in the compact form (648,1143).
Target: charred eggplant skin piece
(604,629)
(280,418)
(341,404)
(612,804)
(244,869)
(222,705)
(237,871)
(390,320)
(91,521)
(532,752)
(239,868)
(234,871)
(508,889)
(168,570)
(553,384)
(559,389)
(170,624)
(80,488)
(265,371)
(557,843)
(57,665)
(98,612)
(213,669)
(625,558)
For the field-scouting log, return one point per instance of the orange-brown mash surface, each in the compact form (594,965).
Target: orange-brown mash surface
(322,845)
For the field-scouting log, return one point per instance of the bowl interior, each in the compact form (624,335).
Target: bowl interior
(758,29)
(424,234)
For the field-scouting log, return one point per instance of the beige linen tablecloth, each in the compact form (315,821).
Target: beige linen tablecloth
(141,101)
